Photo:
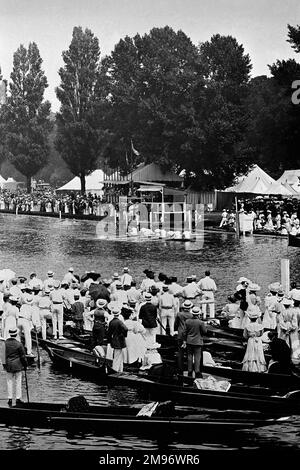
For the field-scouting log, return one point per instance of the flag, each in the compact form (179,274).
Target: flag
(133,149)
(294,240)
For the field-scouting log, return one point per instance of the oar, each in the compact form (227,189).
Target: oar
(37,348)
(161,324)
(26,383)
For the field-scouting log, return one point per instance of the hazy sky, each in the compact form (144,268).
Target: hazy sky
(260,25)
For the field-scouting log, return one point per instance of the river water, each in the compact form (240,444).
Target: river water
(30,243)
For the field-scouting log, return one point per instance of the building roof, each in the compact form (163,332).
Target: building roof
(151,172)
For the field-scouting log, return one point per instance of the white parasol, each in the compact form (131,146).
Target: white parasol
(7,274)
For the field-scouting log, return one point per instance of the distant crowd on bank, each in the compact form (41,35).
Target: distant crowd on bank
(272,215)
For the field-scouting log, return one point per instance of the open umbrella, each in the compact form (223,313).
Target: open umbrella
(7,274)
(90,275)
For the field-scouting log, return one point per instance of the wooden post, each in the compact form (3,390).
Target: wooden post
(285,275)
(60,214)
(16,210)
(237,219)
(151,218)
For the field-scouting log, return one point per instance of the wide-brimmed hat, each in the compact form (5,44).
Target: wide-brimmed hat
(126,270)
(274,287)
(50,273)
(153,345)
(287,302)
(107,282)
(47,291)
(13,298)
(28,299)
(116,276)
(32,274)
(165,287)
(116,311)
(243,279)
(71,269)
(13,332)
(254,287)
(56,284)
(187,304)
(280,292)
(296,295)
(253,311)
(118,285)
(195,310)
(101,303)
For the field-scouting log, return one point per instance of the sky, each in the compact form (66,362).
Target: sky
(260,25)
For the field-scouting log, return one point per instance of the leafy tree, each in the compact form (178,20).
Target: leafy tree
(26,115)
(221,153)
(79,134)
(273,130)
(152,82)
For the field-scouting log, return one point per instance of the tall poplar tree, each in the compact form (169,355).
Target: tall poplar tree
(26,114)
(79,135)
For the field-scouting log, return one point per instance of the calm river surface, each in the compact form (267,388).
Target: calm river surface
(30,243)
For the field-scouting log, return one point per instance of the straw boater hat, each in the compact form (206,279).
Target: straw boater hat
(13,299)
(71,270)
(165,287)
(13,333)
(47,291)
(50,273)
(56,284)
(195,310)
(116,276)
(147,296)
(287,302)
(126,270)
(187,304)
(101,303)
(243,279)
(119,285)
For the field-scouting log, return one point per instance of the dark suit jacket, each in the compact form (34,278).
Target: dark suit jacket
(117,333)
(15,359)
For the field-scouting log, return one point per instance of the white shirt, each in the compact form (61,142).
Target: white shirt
(207,284)
(35,282)
(126,279)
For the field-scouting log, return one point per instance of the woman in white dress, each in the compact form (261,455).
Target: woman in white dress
(254,359)
(135,340)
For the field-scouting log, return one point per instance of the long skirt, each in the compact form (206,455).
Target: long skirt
(254,359)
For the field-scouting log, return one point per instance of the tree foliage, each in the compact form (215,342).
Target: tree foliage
(182,105)
(25,116)
(79,131)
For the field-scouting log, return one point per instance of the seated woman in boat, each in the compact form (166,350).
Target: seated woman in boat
(135,340)
(269,222)
(254,359)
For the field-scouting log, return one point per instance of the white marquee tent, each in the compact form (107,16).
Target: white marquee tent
(256,181)
(93,183)
(2,180)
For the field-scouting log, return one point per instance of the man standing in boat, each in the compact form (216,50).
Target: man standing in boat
(208,286)
(193,332)
(116,335)
(14,362)
(179,325)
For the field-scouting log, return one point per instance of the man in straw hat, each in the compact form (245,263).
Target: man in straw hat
(24,322)
(180,319)
(116,335)
(14,361)
(193,332)
(56,297)
(208,286)
(166,306)
(148,317)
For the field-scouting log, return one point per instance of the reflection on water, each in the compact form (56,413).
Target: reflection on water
(39,243)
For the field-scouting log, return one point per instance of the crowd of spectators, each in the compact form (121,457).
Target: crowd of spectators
(268,214)
(52,202)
